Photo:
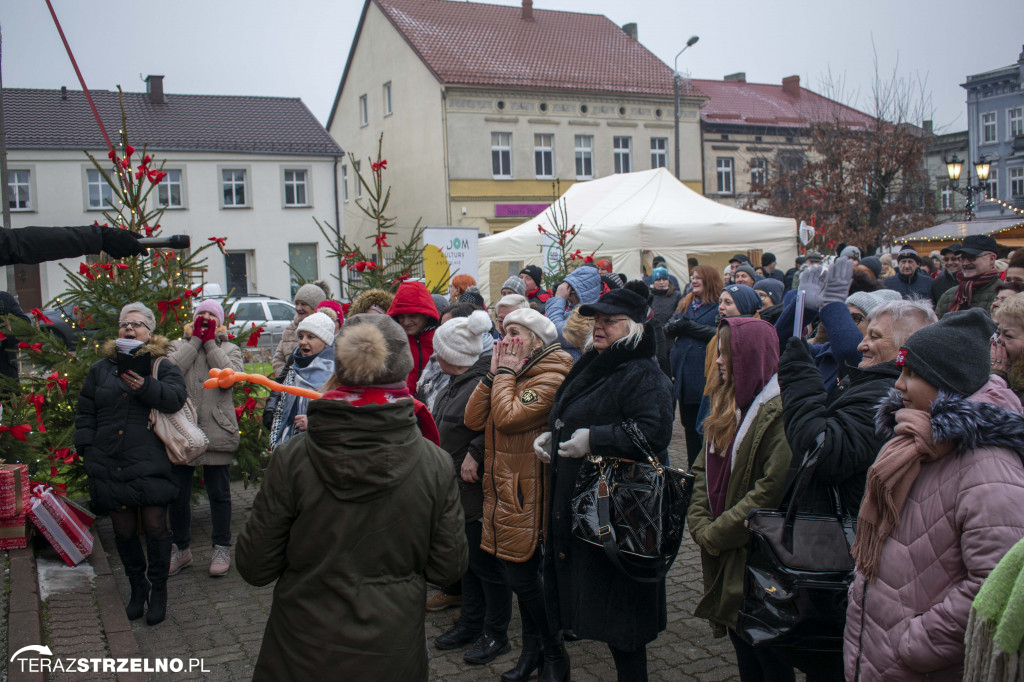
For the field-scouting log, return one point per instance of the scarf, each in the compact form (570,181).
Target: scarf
(995,629)
(383,395)
(889,481)
(965,289)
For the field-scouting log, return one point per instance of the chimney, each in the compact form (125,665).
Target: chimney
(155,89)
(738,77)
(1020,57)
(791,86)
(63,93)
(630,30)
(527,10)
(929,126)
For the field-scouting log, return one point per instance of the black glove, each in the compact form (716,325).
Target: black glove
(796,351)
(121,243)
(678,327)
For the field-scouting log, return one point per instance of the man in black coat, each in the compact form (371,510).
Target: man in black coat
(947,278)
(29,245)
(910,282)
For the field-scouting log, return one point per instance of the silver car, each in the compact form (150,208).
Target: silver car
(272,314)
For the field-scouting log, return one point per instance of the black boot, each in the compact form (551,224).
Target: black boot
(159,550)
(530,660)
(134,561)
(556,664)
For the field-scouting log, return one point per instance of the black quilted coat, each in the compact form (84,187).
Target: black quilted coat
(585,593)
(126,462)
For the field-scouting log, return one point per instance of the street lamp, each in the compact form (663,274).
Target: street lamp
(675,83)
(954,167)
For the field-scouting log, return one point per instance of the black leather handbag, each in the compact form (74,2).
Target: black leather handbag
(798,572)
(634,510)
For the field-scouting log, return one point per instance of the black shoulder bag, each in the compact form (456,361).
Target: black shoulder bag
(634,510)
(798,571)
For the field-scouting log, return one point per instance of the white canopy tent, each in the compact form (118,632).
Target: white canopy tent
(622,216)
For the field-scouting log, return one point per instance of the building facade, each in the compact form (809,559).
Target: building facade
(995,125)
(254,170)
(949,205)
(488,112)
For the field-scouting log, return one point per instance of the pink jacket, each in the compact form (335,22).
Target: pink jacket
(963,513)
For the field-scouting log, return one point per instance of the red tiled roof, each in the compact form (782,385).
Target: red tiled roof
(768,105)
(40,119)
(469,43)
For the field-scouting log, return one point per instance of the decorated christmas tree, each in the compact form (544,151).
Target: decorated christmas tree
(560,237)
(37,425)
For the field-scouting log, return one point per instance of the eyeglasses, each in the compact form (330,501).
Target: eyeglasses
(135,324)
(858,318)
(601,321)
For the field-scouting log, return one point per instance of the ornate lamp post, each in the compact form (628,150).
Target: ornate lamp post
(675,83)
(954,166)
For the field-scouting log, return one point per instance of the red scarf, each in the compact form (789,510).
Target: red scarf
(965,290)
(378,395)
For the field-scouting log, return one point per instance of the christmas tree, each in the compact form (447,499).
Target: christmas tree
(37,425)
(560,237)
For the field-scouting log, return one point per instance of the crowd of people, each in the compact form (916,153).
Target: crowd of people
(447,442)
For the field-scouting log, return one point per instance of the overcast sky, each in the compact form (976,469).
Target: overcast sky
(297,48)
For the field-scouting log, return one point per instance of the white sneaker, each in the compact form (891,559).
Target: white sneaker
(221,561)
(180,558)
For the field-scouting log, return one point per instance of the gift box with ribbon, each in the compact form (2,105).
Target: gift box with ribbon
(14,490)
(59,526)
(83,514)
(14,533)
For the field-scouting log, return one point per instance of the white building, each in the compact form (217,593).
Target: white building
(255,170)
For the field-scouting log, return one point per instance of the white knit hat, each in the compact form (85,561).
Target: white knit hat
(869,300)
(457,341)
(319,325)
(541,326)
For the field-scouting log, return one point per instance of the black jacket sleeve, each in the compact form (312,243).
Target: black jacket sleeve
(167,392)
(37,244)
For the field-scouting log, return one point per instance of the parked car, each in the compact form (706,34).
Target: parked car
(272,314)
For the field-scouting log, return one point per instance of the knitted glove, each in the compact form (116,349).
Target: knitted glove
(577,446)
(837,281)
(541,444)
(796,351)
(120,243)
(208,330)
(812,283)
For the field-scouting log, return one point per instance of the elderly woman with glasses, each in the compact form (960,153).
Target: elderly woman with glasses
(617,379)
(126,462)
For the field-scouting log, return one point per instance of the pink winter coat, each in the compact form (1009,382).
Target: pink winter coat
(963,513)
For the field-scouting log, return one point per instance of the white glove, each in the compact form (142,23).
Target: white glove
(577,446)
(541,444)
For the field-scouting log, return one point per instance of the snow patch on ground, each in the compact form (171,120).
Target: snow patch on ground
(56,577)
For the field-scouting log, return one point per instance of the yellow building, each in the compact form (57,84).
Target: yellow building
(485,109)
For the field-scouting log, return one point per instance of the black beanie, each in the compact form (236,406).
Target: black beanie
(963,371)
(534,272)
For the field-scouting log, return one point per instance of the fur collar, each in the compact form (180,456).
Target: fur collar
(220,335)
(157,346)
(968,423)
(770,390)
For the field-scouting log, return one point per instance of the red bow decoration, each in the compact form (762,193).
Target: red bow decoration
(105,267)
(172,305)
(377,167)
(254,338)
(589,259)
(189,293)
(34,347)
(112,155)
(139,172)
(3,337)
(146,159)
(54,380)
(361,266)
(345,307)
(249,406)
(220,243)
(541,230)
(371,266)
(38,314)
(149,230)
(342,263)
(122,266)
(129,150)
(382,240)
(20,432)
(155,176)
(84,269)
(37,400)
(67,455)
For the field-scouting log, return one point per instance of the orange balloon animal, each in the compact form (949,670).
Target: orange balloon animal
(226,378)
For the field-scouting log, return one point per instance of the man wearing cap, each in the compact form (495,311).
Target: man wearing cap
(811,258)
(770,267)
(532,277)
(947,278)
(977,279)
(909,281)
(734,262)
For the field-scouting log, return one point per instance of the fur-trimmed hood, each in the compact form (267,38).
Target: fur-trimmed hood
(220,334)
(369,298)
(157,346)
(989,418)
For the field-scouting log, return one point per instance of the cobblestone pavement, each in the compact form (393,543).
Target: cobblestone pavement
(222,620)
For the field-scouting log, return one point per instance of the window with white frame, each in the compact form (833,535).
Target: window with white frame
(364,112)
(1015,121)
(387,99)
(169,191)
(993,183)
(359,185)
(19,190)
(296,190)
(344,183)
(622,148)
(724,169)
(584,157)
(501,155)
(1017,182)
(232,181)
(100,194)
(945,196)
(758,173)
(659,152)
(988,127)
(544,154)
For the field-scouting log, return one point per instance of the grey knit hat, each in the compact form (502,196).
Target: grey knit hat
(516,285)
(372,350)
(927,352)
(310,294)
(869,300)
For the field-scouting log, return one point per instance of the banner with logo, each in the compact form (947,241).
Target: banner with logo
(449,251)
